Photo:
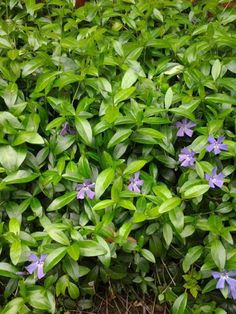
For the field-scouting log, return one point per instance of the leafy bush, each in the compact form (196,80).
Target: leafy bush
(117,153)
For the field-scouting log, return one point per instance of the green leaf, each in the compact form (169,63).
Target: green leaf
(129,78)
(33,65)
(14,226)
(123,94)
(73,290)
(15,252)
(127,204)
(57,235)
(196,191)
(62,201)
(104,179)
(104,85)
(14,306)
(180,304)
(21,176)
(12,158)
(221,99)
(134,166)
(74,251)
(103,204)
(218,254)
(5,44)
(30,137)
(125,230)
(44,80)
(167,233)
(183,112)
(148,255)
(84,167)
(10,94)
(168,98)
(216,69)
(119,137)
(191,257)
(6,118)
(169,204)
(7,270)
(199,144)
(84,130)
(158,15)
(151,132)
(63,143)
(55,123)
(54,258)
(41,299)
(91,248)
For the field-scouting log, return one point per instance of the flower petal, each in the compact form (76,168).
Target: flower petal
(223,146)
(231,273)
(220,139)
(219,183)
(231,281)
(81,194)
(136,175)
(90,194)
(189,132)
(220,283)
(233,291)
(33,258)
(211,139)
(216,274)
(40,273)
(130,186)
(210,147)
(136,188)
(43,257)
(180,133)
(32,267)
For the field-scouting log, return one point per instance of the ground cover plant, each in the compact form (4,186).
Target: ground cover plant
(117,153)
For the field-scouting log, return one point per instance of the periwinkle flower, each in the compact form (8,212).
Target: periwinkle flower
(66,130)
(216,145)
(37,264)
(86,189)
(187,157)
(185,128)
(135,183)
(224,277)
(215,179)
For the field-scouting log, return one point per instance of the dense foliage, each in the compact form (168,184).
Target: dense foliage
(117,153)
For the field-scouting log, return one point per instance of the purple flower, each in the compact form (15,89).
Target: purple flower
(187,157)
(85,189)
(37,264)
(216,145)
(215,179)
(66,130)
(135,183)
(185,128)
(225,277)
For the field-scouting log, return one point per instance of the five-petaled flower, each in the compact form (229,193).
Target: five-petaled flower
(135,183)
(187,157)
(224,277)
(215,179)
(86,189)
(185,127)
(37,264)
(216,145)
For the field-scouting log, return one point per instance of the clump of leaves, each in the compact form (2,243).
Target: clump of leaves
(117,147)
